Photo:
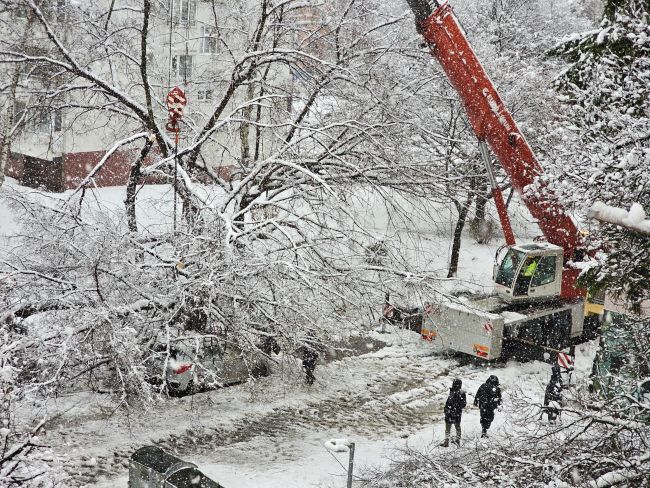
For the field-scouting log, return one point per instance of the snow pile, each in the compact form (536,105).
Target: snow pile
(634,219)
(337,445)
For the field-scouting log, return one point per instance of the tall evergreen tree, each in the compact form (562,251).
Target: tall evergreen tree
(607,91)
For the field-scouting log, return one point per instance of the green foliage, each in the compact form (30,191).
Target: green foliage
(622,368)
(624,7)
(609,72)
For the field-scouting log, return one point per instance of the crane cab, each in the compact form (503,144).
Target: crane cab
(529,272)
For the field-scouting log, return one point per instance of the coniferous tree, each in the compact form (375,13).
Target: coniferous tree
(607,91)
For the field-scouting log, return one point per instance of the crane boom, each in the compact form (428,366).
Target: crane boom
(493,123)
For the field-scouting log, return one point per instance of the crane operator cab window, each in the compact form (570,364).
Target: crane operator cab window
(530,271)
(509,266)
(526,275)
(536,272)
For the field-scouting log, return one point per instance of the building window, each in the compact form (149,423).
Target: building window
(204,95)
(184,11)
(37,119)
(188,11)
(182,66)
(208,41)
(60,11)
(41,121)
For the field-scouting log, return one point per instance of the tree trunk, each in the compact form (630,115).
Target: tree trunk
(238,221)
(4,156)
(244,129)
(192,215)
(479,226)
(460,224)
(132,184)
(481,202)
(9,119)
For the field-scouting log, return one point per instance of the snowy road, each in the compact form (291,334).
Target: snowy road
(271,434)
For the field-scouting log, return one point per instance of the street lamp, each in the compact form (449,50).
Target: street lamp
(343,445)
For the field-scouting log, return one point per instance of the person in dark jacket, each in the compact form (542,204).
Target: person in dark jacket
(488,398)
(553,394)
(269,345)
(456,401)
(556,374)
(309,358)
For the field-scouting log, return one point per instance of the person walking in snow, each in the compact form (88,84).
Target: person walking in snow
(456,402)
(488,398)
(553,395)
(309,358)
(269,345)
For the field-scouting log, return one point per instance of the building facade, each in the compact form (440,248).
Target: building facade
(61,133)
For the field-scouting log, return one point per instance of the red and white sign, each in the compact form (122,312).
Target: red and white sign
(176,100)
(564,360)
(176,113)
(488,327)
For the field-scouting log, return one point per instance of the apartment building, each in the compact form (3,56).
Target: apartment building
(64,131)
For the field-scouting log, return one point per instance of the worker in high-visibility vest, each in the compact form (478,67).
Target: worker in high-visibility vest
(531,267)
(525,277)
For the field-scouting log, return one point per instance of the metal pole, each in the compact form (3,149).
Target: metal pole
(171,31)
(175,178)
(350,464)
(497,195)
(572,353)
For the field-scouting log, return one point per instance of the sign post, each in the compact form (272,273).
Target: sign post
(176,101)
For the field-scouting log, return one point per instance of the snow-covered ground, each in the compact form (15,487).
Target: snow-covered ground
(154,206)
(272,433)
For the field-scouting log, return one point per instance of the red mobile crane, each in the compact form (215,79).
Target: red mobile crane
(537,301)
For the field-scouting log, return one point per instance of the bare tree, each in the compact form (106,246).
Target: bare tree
(296,102)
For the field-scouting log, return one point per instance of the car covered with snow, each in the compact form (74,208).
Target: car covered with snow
(191,364)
